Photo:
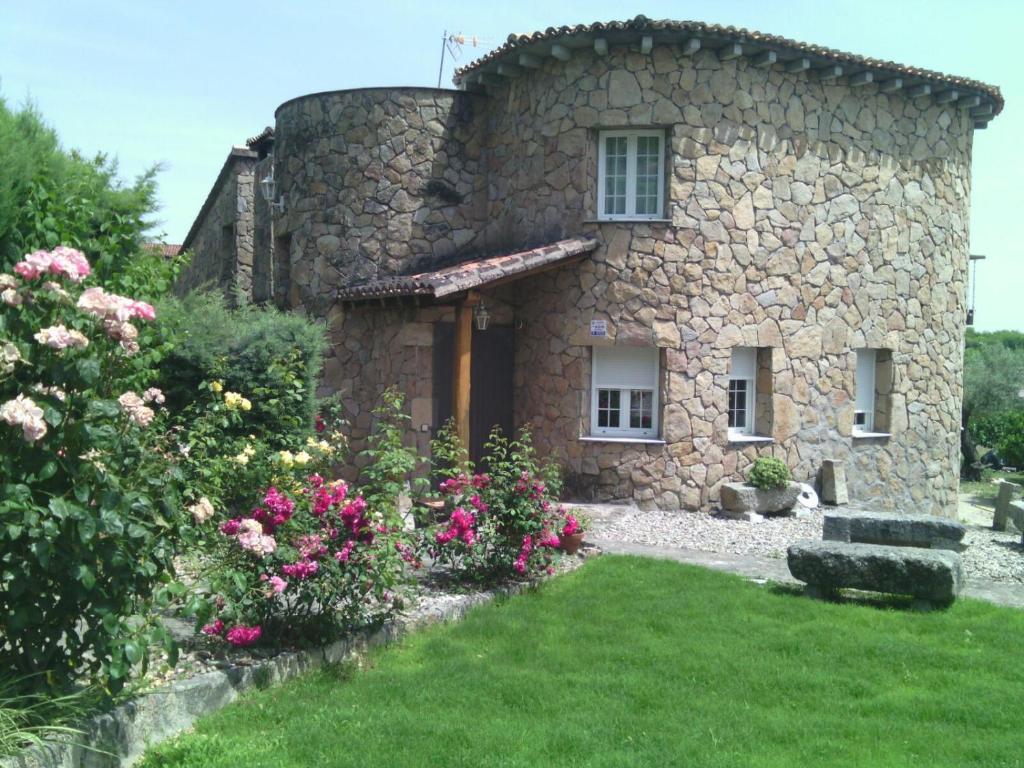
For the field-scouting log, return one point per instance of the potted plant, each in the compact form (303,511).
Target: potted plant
(769,490)
(570,537)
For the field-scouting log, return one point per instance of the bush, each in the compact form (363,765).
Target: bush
(89,517)
(49,196)
(223,460)
(767,473)
(1004,433)
(313,556)
(504,522)
(273,357)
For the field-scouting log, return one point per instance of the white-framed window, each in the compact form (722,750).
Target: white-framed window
(624,396)
(742,390)
(864,384)
(631,175)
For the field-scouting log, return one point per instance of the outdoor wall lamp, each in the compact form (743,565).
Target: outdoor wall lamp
(268,186)
(482,316)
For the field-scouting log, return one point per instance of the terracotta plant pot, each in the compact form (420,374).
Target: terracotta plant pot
(570,544)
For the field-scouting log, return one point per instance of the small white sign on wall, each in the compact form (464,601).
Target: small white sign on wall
(599,328)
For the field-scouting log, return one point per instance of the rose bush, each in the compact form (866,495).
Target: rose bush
(302,564)
(88,494)
(503,522)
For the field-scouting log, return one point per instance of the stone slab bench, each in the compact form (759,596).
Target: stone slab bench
(931,576)
(925,531)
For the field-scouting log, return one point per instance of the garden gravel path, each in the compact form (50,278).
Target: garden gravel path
(990,555)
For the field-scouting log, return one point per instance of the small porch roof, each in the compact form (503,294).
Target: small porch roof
(478,273)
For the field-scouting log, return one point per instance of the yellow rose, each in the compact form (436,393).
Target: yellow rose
(217,386)
(242,458)
(246,405)
(302,458)
(286,458)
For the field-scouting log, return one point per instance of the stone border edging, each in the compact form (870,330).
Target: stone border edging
(131,728)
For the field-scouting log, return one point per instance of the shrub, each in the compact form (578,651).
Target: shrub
(49,196)
(390,463)
(304,563)
(768,472)
(223,457)
(1004,432)
(273,357)
(88,495)
(503,522)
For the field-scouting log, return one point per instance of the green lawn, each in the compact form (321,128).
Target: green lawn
(633,662)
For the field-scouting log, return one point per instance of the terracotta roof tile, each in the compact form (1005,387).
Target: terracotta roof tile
(757,40)
(469,274)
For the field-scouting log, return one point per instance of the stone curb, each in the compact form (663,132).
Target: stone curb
(130,728)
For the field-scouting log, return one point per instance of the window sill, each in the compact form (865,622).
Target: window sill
(605,439)
(740,439)
(869,435)
(627,221)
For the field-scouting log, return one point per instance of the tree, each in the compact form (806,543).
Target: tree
(993,378)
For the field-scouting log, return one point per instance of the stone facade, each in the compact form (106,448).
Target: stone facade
(805,217)
(222,239)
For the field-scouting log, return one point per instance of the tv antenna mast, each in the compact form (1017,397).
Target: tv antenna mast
(452,46)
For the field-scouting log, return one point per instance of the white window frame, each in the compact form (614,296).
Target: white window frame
(600,381)
(748,374)
(631,137)
(865,370)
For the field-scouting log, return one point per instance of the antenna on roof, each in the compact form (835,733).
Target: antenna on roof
(452,45)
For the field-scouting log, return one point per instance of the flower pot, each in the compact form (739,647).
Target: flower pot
(570,544)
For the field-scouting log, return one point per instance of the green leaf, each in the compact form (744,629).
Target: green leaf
(133,651)
(49,470)
(89,370)
(86,576)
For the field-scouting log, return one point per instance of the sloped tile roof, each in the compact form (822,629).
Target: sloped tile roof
(756,40)
(469,274)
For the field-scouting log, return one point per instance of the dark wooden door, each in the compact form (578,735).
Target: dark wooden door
(491,372)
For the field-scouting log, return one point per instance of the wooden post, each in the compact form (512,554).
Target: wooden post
(462,366)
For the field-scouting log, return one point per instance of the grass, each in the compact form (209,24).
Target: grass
(984,493)
(633,662)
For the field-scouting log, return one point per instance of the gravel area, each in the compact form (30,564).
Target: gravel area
(990,555)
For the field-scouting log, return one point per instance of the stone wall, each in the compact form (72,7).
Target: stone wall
(376,182)
(222,239)
(805,217)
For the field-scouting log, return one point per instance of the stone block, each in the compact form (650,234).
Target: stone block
(742,500)
(1005,496)
(833,483)
(934,575)
(924,531)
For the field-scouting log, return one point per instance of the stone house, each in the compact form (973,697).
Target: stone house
(670,247)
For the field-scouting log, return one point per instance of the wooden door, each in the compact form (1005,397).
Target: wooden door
(491,373)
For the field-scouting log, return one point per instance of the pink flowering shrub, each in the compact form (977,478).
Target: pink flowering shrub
(300,565)
(88,493)
(503,522)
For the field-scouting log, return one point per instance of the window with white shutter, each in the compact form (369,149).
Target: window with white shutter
(624,398)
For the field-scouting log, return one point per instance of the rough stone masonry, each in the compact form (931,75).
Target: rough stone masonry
(806,215)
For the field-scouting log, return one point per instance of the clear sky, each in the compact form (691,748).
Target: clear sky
(179,82)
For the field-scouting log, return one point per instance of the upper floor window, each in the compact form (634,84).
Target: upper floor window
(631,175)
(624,401)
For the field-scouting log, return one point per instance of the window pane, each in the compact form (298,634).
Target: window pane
(738,389)
(648,155)
(615,175)
(608,408)
(641,409)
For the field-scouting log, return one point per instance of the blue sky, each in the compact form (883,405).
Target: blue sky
(180,82)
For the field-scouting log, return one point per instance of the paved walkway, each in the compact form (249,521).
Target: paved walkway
(771,569)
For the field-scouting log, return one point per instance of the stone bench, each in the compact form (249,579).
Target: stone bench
(925,531)
(931,576)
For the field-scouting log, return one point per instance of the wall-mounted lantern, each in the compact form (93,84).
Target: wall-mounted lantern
(268,186)
(482,316)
